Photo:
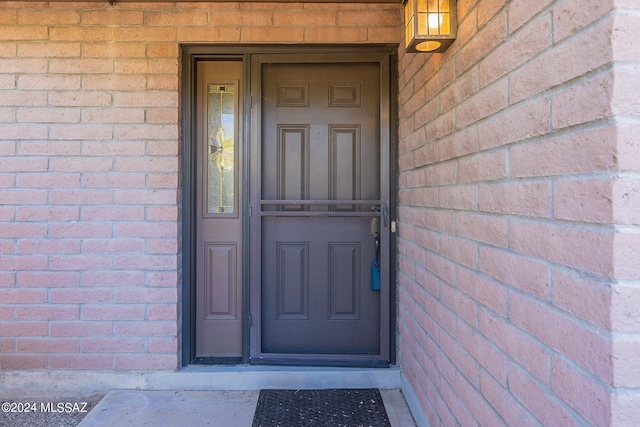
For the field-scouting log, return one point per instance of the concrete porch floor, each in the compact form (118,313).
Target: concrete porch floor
(126,408)
(206,395)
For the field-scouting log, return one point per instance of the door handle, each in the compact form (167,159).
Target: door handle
(385,213)
(385,216)
(375,265)
(377,243)
(375,233)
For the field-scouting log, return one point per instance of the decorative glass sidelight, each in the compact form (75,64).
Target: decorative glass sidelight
(221,118)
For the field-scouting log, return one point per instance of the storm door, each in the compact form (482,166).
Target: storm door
(319,201)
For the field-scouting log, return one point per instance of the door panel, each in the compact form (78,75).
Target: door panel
(318,190)
(218,216)
(316,293)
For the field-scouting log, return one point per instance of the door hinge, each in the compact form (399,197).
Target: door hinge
(393,226)
(250,210)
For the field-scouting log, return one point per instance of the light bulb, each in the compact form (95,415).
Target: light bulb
(433,21)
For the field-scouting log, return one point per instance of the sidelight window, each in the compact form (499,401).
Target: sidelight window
(221,142)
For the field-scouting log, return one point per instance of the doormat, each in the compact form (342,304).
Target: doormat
(321,408)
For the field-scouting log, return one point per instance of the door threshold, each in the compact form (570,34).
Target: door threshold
(217,361)
(256,377)
(244,367)
(338,361)
(205,377)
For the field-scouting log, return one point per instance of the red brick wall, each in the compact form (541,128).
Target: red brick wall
(89,167)
(519,220)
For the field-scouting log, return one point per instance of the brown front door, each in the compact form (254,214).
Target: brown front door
(320,227)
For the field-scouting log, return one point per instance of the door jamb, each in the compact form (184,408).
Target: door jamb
(190,55)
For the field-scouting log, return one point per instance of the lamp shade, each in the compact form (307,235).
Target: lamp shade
(429,25)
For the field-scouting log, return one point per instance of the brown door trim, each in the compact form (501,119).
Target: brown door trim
(191,54)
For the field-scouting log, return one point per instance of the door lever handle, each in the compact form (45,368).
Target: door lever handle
(385,215)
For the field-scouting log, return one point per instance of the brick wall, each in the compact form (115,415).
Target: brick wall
(89,167)
(519,193)
(624,188)
(519,244)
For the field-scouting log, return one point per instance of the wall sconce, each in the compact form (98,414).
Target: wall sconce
(429,25)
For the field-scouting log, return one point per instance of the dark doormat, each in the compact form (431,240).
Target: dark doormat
(321,408)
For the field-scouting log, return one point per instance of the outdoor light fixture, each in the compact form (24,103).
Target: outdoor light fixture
(429,25)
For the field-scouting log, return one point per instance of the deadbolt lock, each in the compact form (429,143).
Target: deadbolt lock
(375,227)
